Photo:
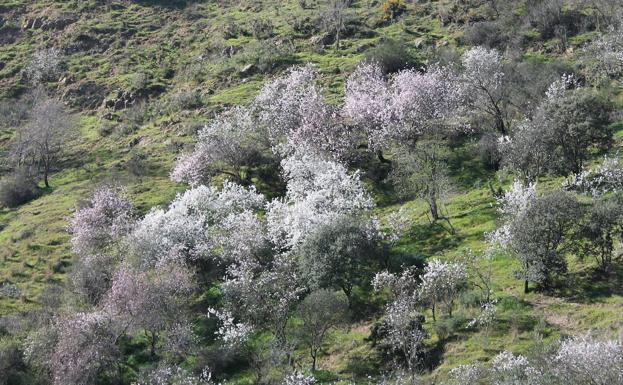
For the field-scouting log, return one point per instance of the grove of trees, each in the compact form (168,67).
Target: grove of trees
(238,271)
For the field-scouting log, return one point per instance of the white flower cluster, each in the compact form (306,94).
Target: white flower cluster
(559,87)
(516,200)
(318,193)
(298,379)
(583,360)
(577,361)
(607,177)
(175,375)
(232,333)
(486,317)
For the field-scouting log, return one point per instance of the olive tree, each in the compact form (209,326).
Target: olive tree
(537,232)
(601,231)
(338,254)
(319,312)
(571,123)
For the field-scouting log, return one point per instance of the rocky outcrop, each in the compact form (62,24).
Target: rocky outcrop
(119,100)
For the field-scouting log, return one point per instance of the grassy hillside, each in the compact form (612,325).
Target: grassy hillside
(143,76)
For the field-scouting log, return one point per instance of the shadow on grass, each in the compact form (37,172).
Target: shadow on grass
(592,285)
(364,366)
(467,169)
(429,239)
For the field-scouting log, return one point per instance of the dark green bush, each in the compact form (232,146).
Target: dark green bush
(393,56)
(17,189)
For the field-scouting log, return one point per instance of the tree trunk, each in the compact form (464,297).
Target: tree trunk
(382,159)
(525,286)
(154,340)
(337,39)
(434,212)
(433,309)
(46,171)
(313,362)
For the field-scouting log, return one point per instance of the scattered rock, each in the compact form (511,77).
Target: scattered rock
(321,40)
(110,116)
(119,101)
(248,70)
(85,94)
(135,141)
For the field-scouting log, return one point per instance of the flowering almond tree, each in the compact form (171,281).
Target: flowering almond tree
(403,108)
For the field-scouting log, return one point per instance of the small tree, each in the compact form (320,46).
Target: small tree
(86,347)
(526,151)
(441,283)
(230,145)
(405,108)
(603,228)
(402,327)
(422,173)
(40,143)
(392,9)
(319,312)
(538,237)
(104,220)
(335,17)
(153,301)
(45,65)
(571,123)
(293,111)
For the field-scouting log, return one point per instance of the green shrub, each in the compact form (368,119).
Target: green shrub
(447,327)
(262,29)
(392,56)
(17,189)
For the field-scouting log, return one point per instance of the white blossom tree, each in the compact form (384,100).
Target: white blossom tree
(484,84)
(190,228)
(45,65)
(403,320)
(229,145)
(603,57)
(441,283)
(86,347)
(151,300)
(103,221)
(403,108)
(296,116)
(97,230)
(585,360)
(318,193)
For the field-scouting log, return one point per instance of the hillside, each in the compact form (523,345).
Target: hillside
(140,79)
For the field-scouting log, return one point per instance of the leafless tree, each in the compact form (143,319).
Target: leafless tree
(40,142)
(335,18)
